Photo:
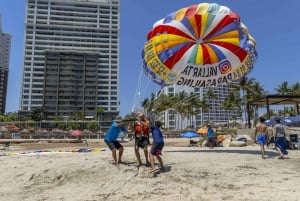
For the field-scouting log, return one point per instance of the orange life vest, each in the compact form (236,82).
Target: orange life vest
(140,130)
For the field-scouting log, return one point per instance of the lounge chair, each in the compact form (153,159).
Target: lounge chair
(294,141)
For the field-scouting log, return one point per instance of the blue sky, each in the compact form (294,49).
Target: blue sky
(274,24)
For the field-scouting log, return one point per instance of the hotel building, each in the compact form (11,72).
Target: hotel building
(5,44)
(71,58)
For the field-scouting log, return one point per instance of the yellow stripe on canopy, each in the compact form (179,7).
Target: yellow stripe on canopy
(230,34)
(203,23)
(194,25)
(202,8)
(180,14)
(199,56)
(168,41)
(234,41)
(212,55)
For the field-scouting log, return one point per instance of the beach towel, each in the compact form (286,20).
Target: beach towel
(280,142)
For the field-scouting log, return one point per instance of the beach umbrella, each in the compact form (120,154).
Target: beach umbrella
(189,134)
(76,133)
(202,130)
(295,119)
(87,132)
(13,128)
(24,131)
(3,129)
(283,121)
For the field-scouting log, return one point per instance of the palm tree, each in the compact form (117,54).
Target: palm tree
(205,108)
(38,114)
(245,87)
(294,89)
(283,88)
(255,93)
(193,103)
(180,103)
(232,101)
(145,104)
(209,95)
(100,112)
(77,115)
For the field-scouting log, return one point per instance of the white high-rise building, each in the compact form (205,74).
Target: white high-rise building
(5,44)
(215,114)
(71,57)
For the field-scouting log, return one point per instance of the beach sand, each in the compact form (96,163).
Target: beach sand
(191,173)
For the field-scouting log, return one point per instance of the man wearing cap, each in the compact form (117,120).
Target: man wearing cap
(141,132)
(111,139)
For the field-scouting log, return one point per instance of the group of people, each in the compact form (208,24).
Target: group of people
(142,127)
(262,137)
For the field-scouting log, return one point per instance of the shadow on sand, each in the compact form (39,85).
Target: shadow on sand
(235,151)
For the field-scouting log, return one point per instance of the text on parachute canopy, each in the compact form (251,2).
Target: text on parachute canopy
(212,78)
(155,64)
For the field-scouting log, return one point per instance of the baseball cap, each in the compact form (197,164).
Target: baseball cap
(118,119)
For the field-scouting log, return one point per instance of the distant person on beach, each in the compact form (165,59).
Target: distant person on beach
(111,139)
(141,129)
(157,145)
(261,137)
(210,136)
(280,140)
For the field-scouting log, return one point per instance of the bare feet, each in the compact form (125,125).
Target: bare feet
(152,170)
(280,157)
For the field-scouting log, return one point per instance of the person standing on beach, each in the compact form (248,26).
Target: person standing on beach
(141,133)
(111,139)
(157,145)
(210,136)
(280,140)
(261,137)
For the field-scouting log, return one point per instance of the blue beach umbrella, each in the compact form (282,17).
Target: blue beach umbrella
(283,121)
(189,134)
(295,119)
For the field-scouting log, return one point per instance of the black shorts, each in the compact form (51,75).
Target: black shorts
(211,139)
(141,142)
(113,145)
(156,148)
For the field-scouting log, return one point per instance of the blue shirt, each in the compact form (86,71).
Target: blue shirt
(113,132)
(156,134)
(210,132)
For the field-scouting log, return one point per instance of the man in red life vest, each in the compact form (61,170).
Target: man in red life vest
(141,132)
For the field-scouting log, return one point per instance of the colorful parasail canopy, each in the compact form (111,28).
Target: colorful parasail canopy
(199,46)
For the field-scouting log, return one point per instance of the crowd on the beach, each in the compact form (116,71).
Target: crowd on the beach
(142,127)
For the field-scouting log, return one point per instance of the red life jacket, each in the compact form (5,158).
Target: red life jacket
(140,130)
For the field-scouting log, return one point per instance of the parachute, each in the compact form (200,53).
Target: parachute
(201,45)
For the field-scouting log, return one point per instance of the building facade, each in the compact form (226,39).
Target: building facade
(71,57)
(215,114)
(5,45)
